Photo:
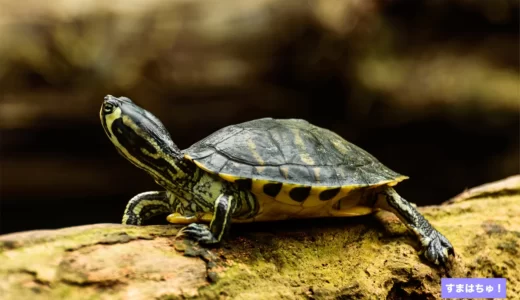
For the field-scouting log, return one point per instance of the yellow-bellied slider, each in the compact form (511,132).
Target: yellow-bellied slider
(260,170)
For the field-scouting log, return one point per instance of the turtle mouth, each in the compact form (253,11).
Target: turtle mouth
(109,103)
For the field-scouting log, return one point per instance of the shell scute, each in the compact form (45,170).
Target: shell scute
(292,152)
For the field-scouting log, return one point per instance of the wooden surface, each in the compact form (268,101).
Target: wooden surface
(429,89)
(355,258)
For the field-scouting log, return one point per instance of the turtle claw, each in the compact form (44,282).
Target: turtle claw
(438,249)
(199,233)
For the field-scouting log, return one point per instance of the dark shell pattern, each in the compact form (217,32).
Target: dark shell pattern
(289,151)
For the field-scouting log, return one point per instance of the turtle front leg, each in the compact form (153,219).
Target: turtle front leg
(436,247)
(146,205)
(220,223)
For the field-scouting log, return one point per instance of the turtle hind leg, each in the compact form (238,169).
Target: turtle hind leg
(220,224)
(146,205)
(436,247)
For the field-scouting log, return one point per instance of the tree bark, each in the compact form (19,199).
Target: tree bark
(348,258)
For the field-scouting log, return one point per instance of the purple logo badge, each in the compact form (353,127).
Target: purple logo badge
(473,288)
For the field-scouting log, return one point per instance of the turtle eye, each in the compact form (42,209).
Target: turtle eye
(108,108)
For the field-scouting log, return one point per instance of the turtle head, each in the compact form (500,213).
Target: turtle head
(139,137)
(127,123)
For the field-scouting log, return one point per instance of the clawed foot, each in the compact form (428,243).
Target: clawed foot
(199,233)
(438,249)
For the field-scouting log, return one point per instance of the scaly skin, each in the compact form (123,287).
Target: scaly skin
(190,191)
(436,247)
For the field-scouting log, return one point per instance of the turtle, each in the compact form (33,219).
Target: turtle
(261,170)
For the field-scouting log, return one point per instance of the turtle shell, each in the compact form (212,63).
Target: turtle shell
(289,160)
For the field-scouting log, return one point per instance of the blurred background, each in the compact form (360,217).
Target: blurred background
(431,88)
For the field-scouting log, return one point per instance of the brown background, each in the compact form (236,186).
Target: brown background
(431,88)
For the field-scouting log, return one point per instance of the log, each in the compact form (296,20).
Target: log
(343,258)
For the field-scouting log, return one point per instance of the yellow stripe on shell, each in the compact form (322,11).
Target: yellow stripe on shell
(198,164)
(298,141)
(256,155)
(285,171)
(316,174)
(338,144)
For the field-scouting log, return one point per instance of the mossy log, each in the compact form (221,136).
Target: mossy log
(351,258)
